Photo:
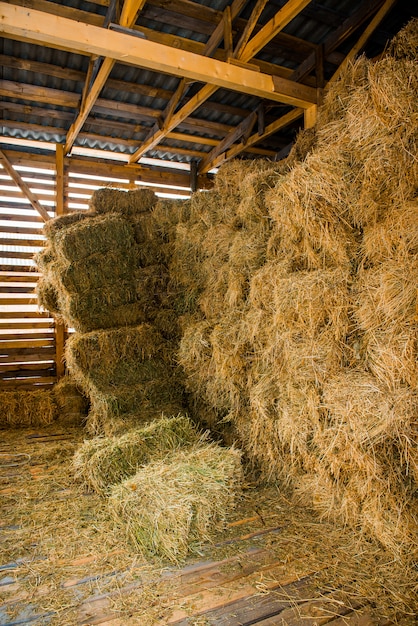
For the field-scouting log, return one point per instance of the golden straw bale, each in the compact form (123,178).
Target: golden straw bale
(392,356)
(363,411)
(103,462)
(170,506)
(309,210)
(252,209)
(166,215)
(387,296)
(263,283)
(394,237)
(304,144)
(195,352)
(404,44)
(127,203)
(21,409)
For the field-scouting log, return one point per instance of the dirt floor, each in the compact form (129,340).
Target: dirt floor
(64,562)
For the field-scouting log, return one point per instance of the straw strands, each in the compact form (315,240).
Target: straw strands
(72,404)
(20,409)
(102,462)
(169,506)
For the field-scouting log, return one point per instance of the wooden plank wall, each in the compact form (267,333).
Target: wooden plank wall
(31,343)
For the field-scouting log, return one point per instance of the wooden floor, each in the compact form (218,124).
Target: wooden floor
(64,562)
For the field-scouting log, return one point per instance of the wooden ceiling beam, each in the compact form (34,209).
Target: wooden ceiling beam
(23,187)
(236,149)
(361,42)
(249,27)
(285,15)
(128,17)
(53,31)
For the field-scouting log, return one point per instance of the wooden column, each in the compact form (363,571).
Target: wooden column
(61,209)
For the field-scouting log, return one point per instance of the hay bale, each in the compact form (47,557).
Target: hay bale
(112,306)
(127,203)
(101,463)
(96,235)
(48,297)
(404,44)
(72,404)
(53,227)
(170,505)
(309,209)
(21,409)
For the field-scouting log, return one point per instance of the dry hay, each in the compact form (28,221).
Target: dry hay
(387,296)
(48,296)
(96,235)
(52,227)
(195,353)
(127,203)
(252,210)
(20,409)
(170,506)
(94,272)
(166,215)
(72,404)
(309,210)
(404,45)
(392,356)
(394,237)
(101,463)
(112,306)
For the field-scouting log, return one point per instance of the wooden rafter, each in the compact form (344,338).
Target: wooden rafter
(249,27)
(272,128)
(208,90)
(128,17)
(24,187)
(359,45)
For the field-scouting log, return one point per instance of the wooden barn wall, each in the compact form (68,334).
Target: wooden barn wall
(31,342)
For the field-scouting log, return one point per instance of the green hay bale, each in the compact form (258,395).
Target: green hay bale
(72,404)
(45,258)
(172,504)
(102,421)
(21,409)
(96,271)
(54,226)
(111,306)
(97,235)
(107,359)
(48,297)
(127,203)
(117,458)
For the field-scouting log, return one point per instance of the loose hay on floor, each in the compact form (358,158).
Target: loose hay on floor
(169,505)
(20,409)
(102,462)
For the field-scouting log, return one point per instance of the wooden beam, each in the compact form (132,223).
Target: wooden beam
(23,186)
(359,45)
(241,130)
(227,21)
(60,32)
(282,18)
(128,17)
(310,116)
(272,128)
(249,27)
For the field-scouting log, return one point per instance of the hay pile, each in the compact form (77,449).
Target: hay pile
(300,325)
(21,409)
(102,462)
(103,274)
(171,505)
(72,404)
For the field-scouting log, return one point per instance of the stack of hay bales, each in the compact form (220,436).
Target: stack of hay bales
(72,404)
(103,275)
(303,326)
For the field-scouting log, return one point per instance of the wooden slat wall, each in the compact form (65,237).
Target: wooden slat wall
(29,349)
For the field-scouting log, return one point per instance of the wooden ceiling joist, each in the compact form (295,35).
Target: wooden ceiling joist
(23,187)
(128,16)
(36,26)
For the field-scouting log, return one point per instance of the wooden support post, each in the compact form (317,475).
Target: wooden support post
(60,328)
(228,31)
(193,176)
(310,116)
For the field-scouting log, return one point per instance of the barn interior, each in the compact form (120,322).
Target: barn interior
(209,312)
